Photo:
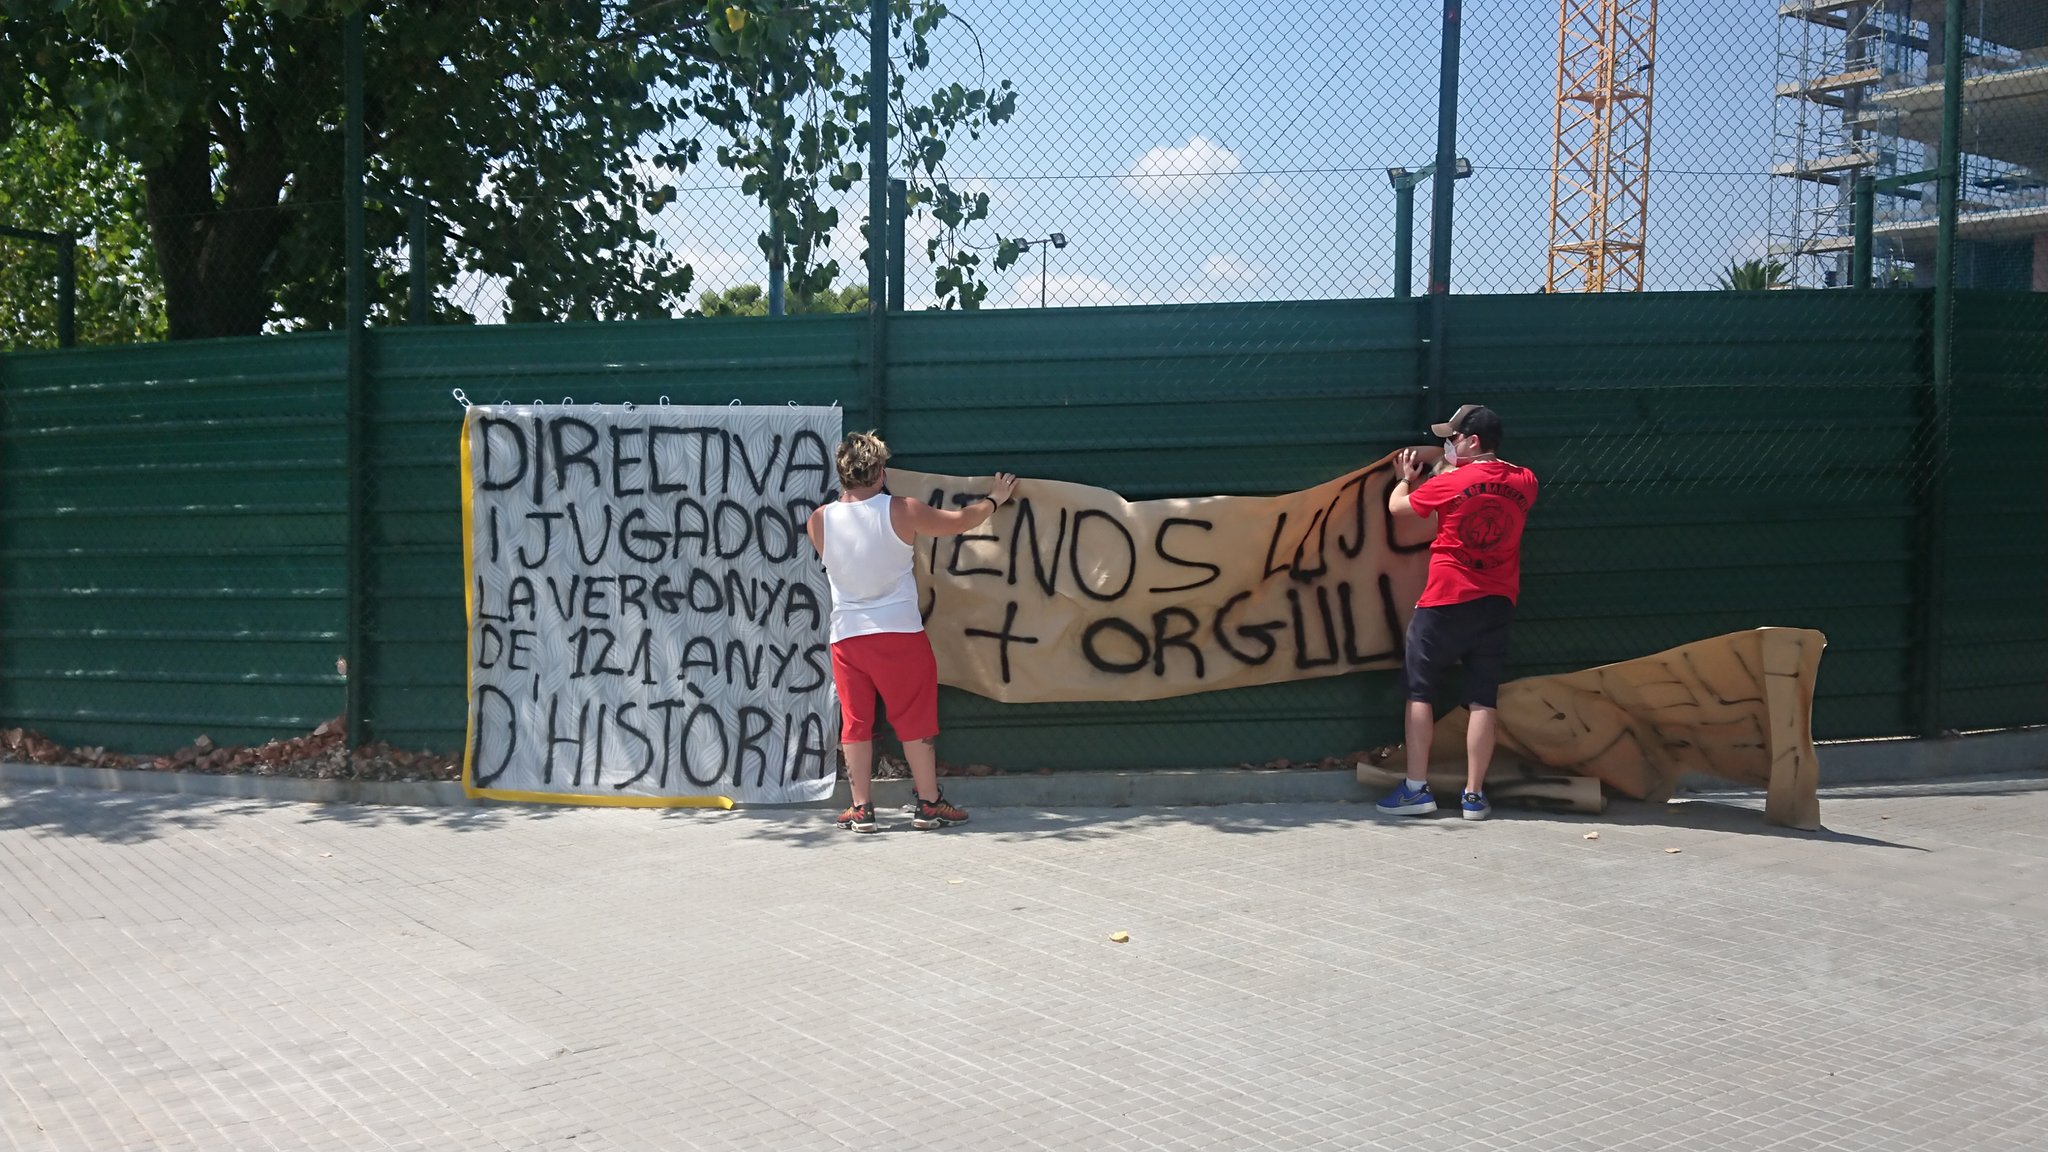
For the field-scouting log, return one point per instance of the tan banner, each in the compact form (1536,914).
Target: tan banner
(1073,593)
(1737,707)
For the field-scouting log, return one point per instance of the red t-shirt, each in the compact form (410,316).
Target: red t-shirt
(1480,508)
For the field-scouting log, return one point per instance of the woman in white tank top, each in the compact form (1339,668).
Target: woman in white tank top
(878,641)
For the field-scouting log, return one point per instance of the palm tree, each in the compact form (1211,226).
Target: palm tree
(1754,276)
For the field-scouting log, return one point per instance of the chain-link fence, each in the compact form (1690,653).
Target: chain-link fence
(1858,134)
(1711,461)
(611,159)
(176,555)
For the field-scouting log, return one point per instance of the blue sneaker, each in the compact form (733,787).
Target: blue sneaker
(1475,806)
(1410,799)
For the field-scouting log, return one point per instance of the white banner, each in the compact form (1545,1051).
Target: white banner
(647,623)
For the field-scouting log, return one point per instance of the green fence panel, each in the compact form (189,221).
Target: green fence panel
(172,523)
(1712,462)
(1994,618)
(171,528)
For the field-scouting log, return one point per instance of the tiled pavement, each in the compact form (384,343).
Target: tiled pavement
(203,974)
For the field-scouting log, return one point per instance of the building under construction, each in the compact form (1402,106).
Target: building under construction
(1860,93)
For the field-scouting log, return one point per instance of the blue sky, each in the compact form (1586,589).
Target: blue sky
(1198,150)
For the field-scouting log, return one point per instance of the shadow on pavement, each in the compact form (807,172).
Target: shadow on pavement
(135,817)
(1721,816)
(1021,825)
(479,818)
(113,817)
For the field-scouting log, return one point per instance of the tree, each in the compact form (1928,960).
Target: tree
(1754,276)
(53,180)
(791,119)
(751,300)
(544,136)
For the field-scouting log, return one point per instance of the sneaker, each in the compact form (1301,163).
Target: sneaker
(1475,806)
(1410,799)
(859,817)
(936,813)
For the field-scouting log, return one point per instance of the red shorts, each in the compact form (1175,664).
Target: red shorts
(899,665)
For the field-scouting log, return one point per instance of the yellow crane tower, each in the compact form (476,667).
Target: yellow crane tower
(1600,162)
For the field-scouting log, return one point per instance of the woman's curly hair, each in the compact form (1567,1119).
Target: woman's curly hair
(861,458)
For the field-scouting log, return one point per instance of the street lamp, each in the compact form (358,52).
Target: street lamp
(1404,181)
(1057,240)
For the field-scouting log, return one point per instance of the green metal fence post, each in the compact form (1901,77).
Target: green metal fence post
(1404,181)
(878,213)
(1942,348)
(899,216)
(356,690)
(778,268)
(1866,210)
(420,310)
(1404,239)
(67,289)
(1444,182)
(1445,179)
(65,244)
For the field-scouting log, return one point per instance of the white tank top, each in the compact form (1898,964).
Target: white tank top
(869,566)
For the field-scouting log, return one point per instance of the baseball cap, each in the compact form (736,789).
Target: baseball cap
(1470,420)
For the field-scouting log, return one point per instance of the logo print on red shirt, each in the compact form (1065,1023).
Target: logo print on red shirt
(1484,524)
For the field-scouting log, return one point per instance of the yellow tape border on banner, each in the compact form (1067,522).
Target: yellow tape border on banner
(469,787)
(720,802)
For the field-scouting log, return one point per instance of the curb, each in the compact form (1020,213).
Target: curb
(1913,760)
(1998,753)
(1163,788)
(1987,754)
(1160,789)
(295,789)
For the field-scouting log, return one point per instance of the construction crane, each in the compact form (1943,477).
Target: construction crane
(1600,162)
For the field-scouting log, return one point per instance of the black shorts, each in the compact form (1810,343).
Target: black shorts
(1474,633)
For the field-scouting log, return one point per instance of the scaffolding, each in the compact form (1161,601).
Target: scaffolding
(1859,93)
(1834,59)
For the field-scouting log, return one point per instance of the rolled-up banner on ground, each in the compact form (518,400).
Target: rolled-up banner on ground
(1737,707)
(648,624)
(1072,593)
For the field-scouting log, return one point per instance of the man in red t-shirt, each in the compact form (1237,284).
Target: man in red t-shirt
(1468,604)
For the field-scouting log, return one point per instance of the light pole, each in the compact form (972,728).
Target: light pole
(419,308)
(1057,240)
(1405,181)
(66,246)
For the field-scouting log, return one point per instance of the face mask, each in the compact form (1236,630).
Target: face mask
(1451,453)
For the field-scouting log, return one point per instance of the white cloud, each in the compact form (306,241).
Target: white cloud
(720,268)
(1223,268)
(1062,290)
(1189,174)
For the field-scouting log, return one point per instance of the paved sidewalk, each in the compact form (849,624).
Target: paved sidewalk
(179,973)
